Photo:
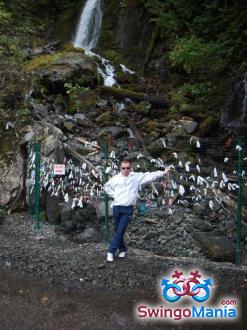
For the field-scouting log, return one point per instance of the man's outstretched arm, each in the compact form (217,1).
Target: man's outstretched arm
(152,176)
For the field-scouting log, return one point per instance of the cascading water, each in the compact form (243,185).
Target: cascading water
(88,29)
(87,34)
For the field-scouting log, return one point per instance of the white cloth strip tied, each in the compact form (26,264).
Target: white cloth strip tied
(164,143)
(224,177)
(192,177)
(222,184)
(181,190)
(80,202)
(170,212)
(174,185)
(187,166)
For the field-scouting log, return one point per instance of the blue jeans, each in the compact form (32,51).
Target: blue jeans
(122,216)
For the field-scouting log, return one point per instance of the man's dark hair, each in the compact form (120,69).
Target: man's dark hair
(125,160)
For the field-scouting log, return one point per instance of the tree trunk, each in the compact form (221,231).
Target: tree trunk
(158,101)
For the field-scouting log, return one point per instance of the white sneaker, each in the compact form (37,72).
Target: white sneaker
(122,254)
(110,257)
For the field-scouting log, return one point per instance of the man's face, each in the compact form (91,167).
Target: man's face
(125,169)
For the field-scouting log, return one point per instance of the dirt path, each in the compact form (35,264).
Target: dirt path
(49,282)
(27,304)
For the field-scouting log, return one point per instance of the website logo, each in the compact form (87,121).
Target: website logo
(186,286)
(187,296)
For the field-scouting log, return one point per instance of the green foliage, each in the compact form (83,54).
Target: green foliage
(123,3)
(205,42)
(143,108)
(17,28)
(5,16)
(199,92)
(73,90)
(22,116)
(196,56)
(36,5)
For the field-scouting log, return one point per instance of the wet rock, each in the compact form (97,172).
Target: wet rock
(82,120)
(27,137)
(217,248)
(201,209)
(53,137)
(68,126)
(115,131)
(77,218)
(189,125)
(65,66)
(208,125)
(52,208)
(171,139)
(101,103)
(40,109)
(11,182)
(161,213)
(234,113)
(202,225)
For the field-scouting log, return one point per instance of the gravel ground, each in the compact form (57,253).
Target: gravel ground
(72,268)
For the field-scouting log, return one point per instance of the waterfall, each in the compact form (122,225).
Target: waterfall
(88,29)
(86,36)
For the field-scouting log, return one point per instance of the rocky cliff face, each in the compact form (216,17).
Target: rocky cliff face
(126,32)
(234,114)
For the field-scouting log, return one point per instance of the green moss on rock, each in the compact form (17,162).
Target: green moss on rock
(48,60)
(207,125)
(69,65)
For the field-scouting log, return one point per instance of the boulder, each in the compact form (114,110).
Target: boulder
(52,138)
(11,182)
(201,209)
(40,109)
(215,247)
(116,132)
(77,218)
(69,65)
(52,207)
(188,124)
(83,121)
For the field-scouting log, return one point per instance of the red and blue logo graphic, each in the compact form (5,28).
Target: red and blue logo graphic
(186,286)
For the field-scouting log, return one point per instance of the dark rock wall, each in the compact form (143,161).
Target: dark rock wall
(66,22)
(125,30)
(234,114)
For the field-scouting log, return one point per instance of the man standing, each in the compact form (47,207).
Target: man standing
(124,187)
